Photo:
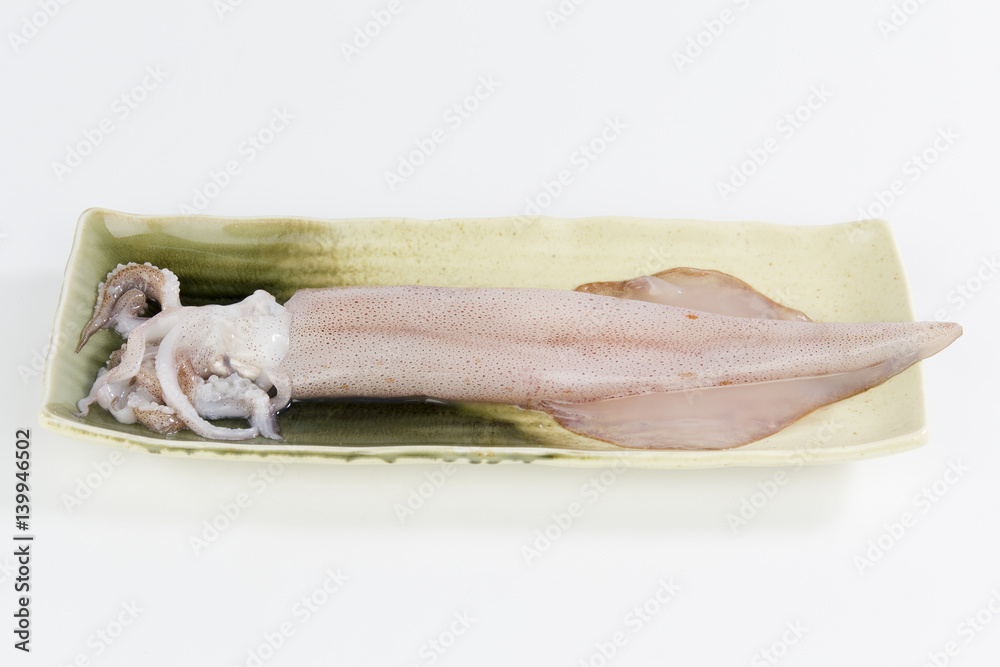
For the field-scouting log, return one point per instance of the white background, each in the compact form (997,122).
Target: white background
(889,95)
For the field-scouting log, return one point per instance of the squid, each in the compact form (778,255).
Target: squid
(682,359)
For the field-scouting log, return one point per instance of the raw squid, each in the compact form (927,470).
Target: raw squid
(684,359)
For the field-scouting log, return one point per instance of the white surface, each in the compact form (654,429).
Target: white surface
(462,552)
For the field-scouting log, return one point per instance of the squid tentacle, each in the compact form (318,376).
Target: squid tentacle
(166,371)
(236,396)
(122,297)
(167,375)
(131,355)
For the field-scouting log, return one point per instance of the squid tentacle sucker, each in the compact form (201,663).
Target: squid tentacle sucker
(683,359)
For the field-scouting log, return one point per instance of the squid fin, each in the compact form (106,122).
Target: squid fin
(698,289)
(713,417)
(724,416)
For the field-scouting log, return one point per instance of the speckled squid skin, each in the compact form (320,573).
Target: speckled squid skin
(525,345)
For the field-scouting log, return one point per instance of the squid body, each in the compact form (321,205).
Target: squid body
(684,359)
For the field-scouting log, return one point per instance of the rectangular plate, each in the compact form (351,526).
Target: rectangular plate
(847,273)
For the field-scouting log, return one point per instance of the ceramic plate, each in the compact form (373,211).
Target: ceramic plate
(848,273)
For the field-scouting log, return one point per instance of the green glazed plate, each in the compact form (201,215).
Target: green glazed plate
(849,272)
